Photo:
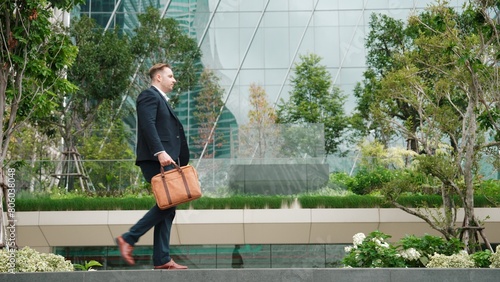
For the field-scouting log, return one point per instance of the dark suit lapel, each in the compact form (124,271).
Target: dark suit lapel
(166,102)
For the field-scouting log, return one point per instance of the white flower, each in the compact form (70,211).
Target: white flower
(358,239)
(380,242)
(410,254)
(495,258)
(30,260)
(385,245)
(348,249)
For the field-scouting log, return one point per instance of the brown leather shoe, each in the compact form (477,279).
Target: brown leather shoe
(125,250)
(171,265)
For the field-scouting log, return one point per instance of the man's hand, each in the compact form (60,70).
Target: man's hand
(165,159)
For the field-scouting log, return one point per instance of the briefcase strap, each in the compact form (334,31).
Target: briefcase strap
(186,186)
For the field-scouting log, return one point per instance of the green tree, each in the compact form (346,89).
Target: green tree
(208,104)
(34,53)
(160,39)
(314,99)
(110,166)
(258,138)
(102,72)
(449,79)
(387,39)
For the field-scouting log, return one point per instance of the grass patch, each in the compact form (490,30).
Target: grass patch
(79,203)
(332,202)
(145,202)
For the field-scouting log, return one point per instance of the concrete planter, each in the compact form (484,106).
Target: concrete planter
(46,229)
(288,275)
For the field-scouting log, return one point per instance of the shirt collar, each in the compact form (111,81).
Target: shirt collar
(161,92)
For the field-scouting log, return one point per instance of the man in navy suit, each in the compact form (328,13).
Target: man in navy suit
(160,142)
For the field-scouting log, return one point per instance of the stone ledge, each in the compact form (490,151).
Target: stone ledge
(46,229)
(285,275)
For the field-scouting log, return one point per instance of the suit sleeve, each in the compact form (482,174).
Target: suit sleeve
(147,107)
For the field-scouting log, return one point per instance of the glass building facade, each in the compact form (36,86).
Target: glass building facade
(257,41)
(217,256)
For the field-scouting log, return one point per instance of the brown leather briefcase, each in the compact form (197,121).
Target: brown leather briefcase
(176,186)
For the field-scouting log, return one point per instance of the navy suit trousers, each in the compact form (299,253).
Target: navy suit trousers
(161,220)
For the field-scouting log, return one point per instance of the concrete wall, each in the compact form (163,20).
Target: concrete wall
(44,230)
(260,275)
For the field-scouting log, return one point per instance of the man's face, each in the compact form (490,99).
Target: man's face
(167,80)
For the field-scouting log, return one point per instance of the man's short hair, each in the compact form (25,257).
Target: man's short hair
(156,68)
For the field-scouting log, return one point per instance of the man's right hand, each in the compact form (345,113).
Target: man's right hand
(165,159)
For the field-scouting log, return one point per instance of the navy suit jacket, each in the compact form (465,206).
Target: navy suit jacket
(159,129)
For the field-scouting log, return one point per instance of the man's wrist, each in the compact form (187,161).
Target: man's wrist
(156,154)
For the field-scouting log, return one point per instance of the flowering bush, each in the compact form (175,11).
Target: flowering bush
(460,260)
(29,260)
(495,258)
(372,251)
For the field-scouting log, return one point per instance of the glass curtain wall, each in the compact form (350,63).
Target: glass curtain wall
(259,41)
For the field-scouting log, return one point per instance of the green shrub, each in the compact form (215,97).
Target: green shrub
(348,201)
(481,258)
(489,190)
(367,180)
(428,245)
(339,180)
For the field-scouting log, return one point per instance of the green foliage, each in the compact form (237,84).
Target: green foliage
(109,164)
(34,55)
(75,203)
(349,201)
(367,180)
(162,40)
(440,166)
(481,258)
(87,265)
(103,66)
(490,189)
(386,40)
(428,245)
(428,82)
(102,72)
(339,179)
(137,198)
(143,200)
(313,99)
